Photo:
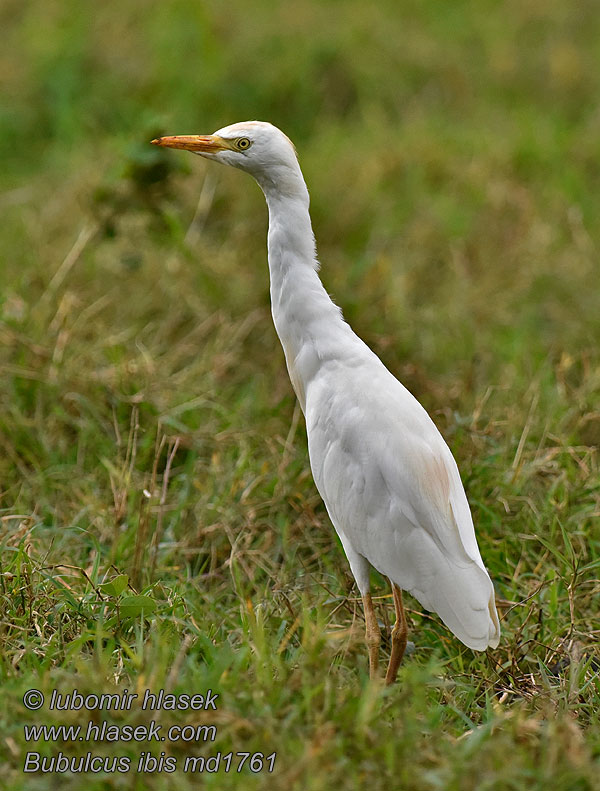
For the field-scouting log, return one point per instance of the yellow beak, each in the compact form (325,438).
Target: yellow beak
(202,144)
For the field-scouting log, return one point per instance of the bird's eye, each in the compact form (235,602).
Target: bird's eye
(243,143)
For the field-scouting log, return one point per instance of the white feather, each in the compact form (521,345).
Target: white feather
(392,490)
(388,479)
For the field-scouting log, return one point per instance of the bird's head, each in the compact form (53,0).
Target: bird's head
(257,147)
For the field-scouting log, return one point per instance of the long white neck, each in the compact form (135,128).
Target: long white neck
(309,325)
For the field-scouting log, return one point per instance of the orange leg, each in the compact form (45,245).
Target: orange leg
(372,635)
(399,633)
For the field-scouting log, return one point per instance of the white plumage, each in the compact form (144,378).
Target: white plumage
(386,476)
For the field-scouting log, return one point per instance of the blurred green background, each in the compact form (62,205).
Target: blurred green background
(452,155)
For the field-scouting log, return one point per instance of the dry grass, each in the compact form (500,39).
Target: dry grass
(150,445)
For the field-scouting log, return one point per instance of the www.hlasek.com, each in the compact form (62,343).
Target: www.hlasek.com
(109,732)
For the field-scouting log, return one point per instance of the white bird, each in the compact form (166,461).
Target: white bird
(388,479)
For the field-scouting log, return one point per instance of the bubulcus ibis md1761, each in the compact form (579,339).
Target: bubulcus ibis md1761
(388,479)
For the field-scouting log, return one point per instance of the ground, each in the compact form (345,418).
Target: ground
(159,526)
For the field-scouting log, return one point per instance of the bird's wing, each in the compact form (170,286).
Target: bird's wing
(392,489)
(450,577)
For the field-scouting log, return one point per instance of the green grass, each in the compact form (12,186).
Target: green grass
(451,151)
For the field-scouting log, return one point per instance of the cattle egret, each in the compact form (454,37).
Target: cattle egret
(388,479)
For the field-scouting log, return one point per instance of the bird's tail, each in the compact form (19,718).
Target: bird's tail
(463,597)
